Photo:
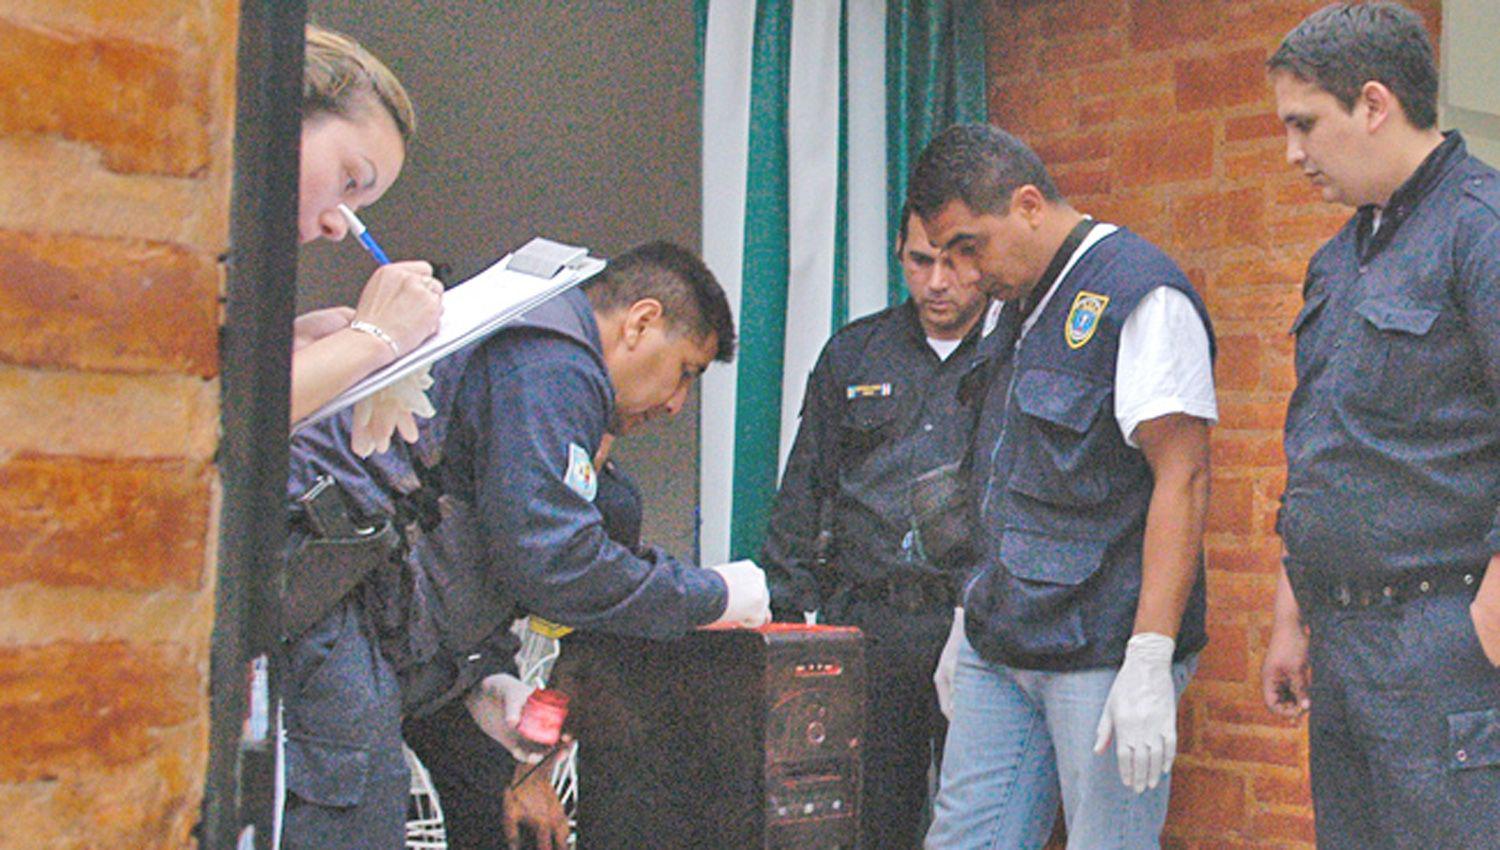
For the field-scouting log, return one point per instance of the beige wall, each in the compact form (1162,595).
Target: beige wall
(115,132)
(1471,76)
(578,121)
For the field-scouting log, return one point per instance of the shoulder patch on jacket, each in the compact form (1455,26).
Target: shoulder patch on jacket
(580,476)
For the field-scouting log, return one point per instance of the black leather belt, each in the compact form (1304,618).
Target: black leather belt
(908,592)
(1394,591)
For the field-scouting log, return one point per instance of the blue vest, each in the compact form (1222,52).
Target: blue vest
(1062,497)
(438,619)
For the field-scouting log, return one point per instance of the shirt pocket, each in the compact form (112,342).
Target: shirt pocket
(867,422)
(1393,356)
(1474,739)
(1044,592)
(1056,461)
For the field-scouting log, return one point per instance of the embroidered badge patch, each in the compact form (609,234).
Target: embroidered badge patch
(1083,319)
(580,476)
(867,391)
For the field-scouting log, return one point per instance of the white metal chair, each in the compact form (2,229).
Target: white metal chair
(424,826)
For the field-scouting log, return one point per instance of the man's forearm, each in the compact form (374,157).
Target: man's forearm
(1286,612)
(1173,544)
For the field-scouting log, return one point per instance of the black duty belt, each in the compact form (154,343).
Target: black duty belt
(909,593)
(1366,593)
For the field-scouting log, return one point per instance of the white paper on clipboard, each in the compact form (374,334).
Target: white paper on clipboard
(475,309)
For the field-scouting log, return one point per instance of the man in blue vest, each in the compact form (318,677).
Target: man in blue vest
(845,537)
(1083,619)
(495,509)
(1387,619)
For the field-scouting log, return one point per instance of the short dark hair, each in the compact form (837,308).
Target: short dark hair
(978,164)
(692,300)
(1341,47)
(904,228)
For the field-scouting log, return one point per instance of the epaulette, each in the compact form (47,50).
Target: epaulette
(866,323)
(851,339)
(1484,188)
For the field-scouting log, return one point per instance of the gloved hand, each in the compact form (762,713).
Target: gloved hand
(495,704)
(942,677)
(748,602)
(1141,713)
(393,409)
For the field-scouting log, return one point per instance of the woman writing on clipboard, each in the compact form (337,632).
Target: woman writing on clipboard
(356,121)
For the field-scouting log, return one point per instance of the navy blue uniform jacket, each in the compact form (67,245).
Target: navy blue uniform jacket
(526,405)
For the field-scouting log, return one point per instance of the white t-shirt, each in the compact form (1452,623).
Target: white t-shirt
(1162,366)
(944,347)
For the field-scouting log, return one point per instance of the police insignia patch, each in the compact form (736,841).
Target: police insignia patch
(580,476)
(1083,318)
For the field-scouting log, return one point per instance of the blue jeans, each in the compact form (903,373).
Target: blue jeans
(1020,740)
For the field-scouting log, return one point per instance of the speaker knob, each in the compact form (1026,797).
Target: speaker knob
(816,732)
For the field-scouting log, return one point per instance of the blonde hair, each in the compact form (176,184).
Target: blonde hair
(337,73)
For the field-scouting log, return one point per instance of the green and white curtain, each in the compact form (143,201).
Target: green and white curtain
(813,111)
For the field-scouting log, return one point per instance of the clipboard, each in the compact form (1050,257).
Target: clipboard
(536,272)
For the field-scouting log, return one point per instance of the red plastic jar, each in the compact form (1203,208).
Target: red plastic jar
(542,716)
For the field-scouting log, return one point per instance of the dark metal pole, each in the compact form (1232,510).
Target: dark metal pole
(255,363)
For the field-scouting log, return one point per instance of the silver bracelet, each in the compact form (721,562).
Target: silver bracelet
(375,331)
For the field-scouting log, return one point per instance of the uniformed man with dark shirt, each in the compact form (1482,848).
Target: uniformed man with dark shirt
(1387,624)
(495,505)
(881,409)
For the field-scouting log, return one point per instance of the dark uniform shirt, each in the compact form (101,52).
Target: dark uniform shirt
(880,409)
(1393,433)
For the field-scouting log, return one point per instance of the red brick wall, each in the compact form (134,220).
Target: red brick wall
(1156,114)
(115,121)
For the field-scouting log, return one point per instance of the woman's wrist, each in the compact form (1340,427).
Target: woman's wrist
(377,332)
(372,351)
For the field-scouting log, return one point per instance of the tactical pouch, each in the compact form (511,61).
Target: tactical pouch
(942,516)
(332,559)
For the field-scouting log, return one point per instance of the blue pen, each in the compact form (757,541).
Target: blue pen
(362,233)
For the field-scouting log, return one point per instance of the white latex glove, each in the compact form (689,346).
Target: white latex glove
(392,410)
(748,602)
(1141,713)
(496,706)
(942,677)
